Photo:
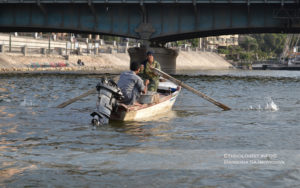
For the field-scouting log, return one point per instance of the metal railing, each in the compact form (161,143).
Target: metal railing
(194,2)
(30,45)
(46,45)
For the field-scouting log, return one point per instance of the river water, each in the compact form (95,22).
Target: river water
(256,144)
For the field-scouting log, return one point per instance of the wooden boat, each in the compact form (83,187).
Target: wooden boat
(108,107)
(165,101)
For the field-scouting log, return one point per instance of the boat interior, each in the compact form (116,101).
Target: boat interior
(160,96)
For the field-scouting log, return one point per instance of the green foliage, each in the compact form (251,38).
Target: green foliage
(249,43)
(111,38)
(223,51)
(256,47)
(193,42)
(246,56)
(271,43)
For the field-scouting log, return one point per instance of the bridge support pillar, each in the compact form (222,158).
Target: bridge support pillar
(166,57)
(43,51)
(78,51)
(101,42)
(60,51)
(126,47)
(111,50)
(2,48)
(24,50)
(89,48)
(96,51)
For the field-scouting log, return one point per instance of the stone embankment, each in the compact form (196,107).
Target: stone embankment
(201,60)
(25,54)
(102,63)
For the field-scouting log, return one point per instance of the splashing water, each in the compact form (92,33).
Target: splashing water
(27,103)
(270,106)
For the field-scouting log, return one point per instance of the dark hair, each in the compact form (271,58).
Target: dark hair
(134,66)
(149,53)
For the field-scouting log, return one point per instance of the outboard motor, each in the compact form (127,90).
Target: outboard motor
(108,94)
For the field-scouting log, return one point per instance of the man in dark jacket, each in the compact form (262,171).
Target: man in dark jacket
(131,84)
(148,74)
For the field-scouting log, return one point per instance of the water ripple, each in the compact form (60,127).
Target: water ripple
(41,145)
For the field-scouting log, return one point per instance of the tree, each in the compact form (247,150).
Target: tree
(248,43)
(270,43)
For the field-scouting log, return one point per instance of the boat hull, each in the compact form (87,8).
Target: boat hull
(147,112)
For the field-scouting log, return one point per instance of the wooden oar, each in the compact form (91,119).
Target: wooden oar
(64,104)
(166,76)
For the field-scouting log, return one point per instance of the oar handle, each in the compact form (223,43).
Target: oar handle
(62,105)
(166,76)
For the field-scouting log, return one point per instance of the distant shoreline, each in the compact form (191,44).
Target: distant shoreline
(48,72)
(103,63)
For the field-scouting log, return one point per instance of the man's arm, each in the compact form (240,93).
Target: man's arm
(142,73)
(157,65)
(140,85)
(146,86)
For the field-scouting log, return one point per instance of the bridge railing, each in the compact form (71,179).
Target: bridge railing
(31,45)
(47,45)
(151,1)
(194,49)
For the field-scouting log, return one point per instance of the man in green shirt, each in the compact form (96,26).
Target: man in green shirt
(148,74)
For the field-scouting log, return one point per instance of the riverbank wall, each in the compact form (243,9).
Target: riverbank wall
(101,63)
(20,54)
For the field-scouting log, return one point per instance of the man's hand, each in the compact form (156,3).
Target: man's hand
(142,68)
(152,69)
(146,86)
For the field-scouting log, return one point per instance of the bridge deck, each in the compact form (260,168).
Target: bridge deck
(158,21)
(153,1)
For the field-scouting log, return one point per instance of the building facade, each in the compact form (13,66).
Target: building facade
(212,43)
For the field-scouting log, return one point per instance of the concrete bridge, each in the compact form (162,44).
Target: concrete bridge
(159,21)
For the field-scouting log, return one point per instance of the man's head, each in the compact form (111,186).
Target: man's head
(134,66)
(150,57)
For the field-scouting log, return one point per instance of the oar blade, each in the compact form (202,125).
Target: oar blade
(167,76)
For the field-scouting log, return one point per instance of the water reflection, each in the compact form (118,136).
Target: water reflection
(8,170)
(6,145)
(4,114)
(41,145)
(150,127)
